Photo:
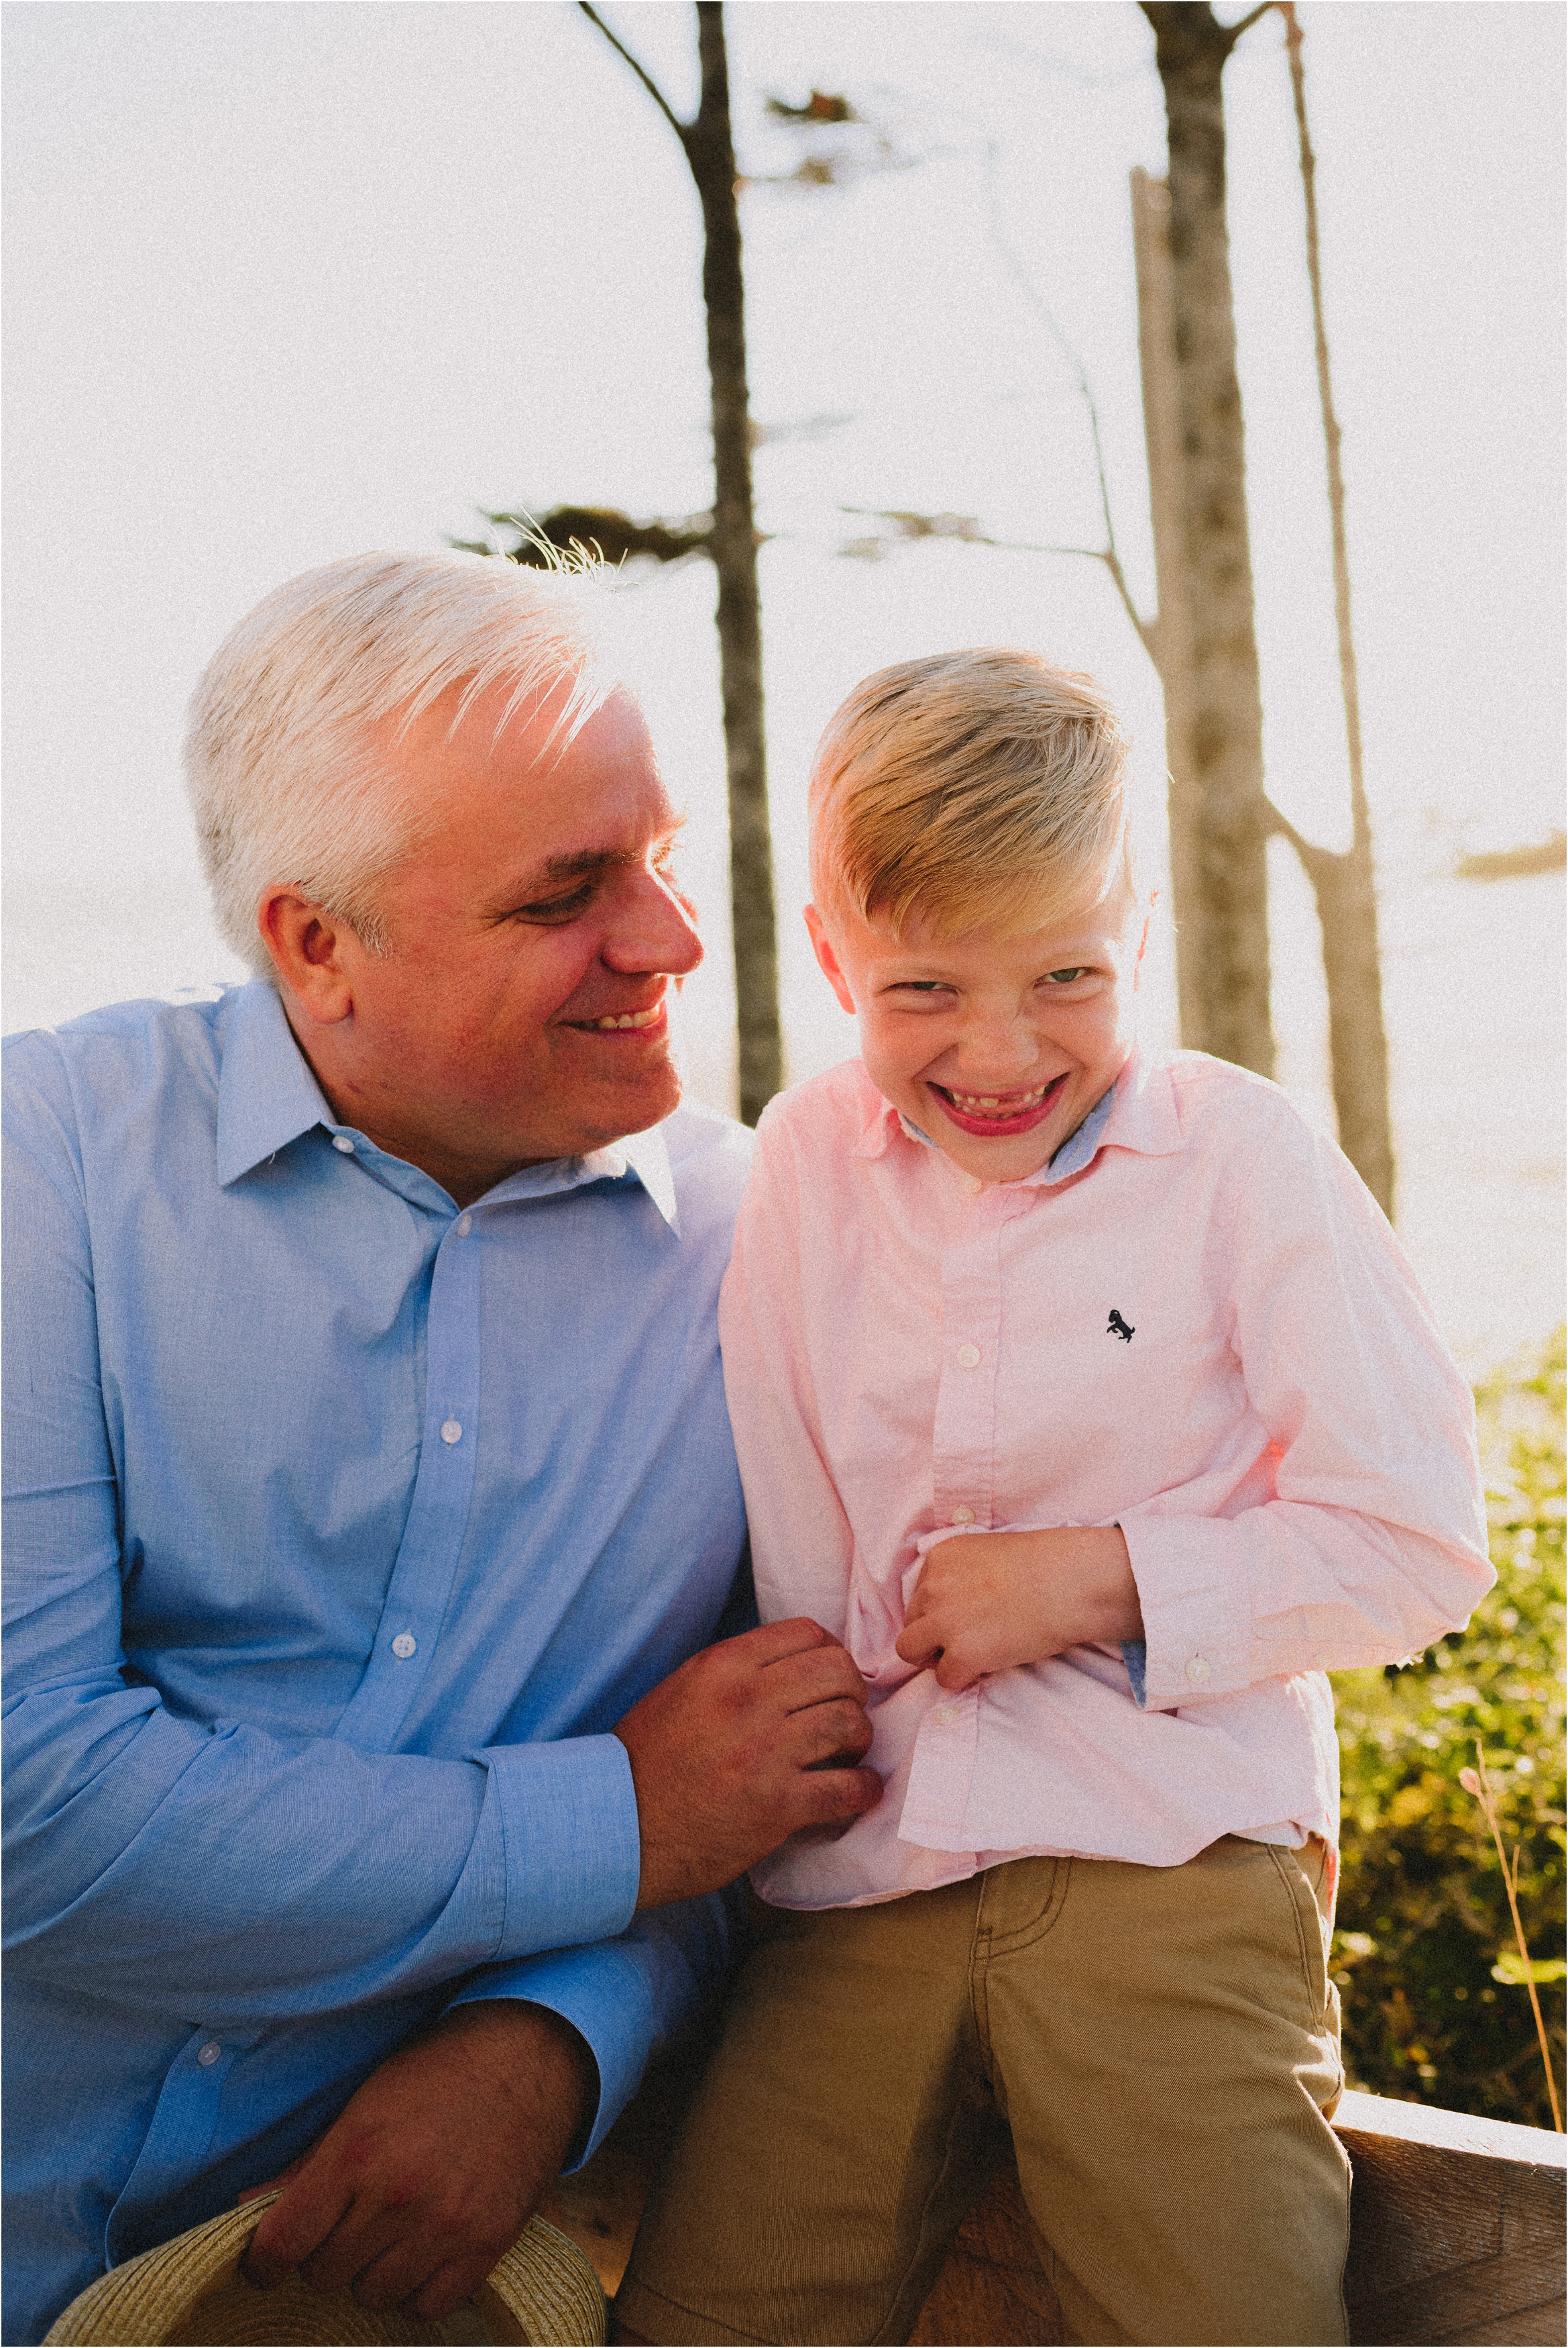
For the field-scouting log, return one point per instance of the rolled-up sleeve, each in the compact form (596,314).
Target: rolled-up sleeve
(1372,1541)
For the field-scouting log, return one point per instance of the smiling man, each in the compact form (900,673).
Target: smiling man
(370,1500)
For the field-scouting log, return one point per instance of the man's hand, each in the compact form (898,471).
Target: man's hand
(434,2167)
(985,1602)
(744,1744)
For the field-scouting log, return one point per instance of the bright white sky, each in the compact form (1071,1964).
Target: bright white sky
(286,282)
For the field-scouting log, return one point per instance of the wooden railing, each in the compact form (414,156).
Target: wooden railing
(1456,2230)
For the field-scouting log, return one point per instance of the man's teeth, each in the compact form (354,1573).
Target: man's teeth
(995,1104)
(627,1019)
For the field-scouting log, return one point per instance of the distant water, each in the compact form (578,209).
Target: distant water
(1473,981)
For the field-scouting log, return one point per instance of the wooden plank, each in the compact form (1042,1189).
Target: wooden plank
(1359,2115)
(1456,2226)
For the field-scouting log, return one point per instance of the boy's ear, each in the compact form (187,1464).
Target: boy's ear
(827,956)
(1144,936)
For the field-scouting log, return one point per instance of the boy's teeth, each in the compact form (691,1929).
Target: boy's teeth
(988,1104)
(631,1018)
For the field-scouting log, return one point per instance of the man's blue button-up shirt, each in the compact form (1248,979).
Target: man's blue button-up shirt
(342,1528)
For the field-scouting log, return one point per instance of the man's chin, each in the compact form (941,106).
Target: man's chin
(614,1109)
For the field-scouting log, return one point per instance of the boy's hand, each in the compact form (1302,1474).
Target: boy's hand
(986,1601)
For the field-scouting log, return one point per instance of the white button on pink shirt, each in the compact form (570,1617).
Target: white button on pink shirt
(1207,1335)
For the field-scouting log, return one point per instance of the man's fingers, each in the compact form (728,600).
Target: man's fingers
(827,1729)
(830,1795)
(816,1675)
(293,2227)
(401,2269)
(448,2287)
(772,1643)
(360,2240)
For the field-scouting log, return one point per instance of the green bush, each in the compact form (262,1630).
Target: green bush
(1425,1954)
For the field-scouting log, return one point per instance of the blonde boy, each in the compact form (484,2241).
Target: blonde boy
(1085,1394)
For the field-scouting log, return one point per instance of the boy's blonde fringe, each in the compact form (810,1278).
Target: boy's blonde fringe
(983,787)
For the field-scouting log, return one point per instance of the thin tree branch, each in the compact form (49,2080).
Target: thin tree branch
(1148,630)
(1043,316)
(1280,826)
(1245,23)
(682,129)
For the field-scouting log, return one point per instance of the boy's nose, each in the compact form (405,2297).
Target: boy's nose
(998,1054)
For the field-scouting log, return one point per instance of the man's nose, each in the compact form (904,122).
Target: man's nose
(652,931)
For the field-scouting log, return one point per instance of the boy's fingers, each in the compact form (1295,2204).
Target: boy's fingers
(917,1645)
(953,1673)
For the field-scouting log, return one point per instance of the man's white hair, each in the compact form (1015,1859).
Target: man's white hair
(288,777)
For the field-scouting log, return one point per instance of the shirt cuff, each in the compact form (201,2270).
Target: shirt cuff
(573,1855)
(603,1992)
(1197,1637)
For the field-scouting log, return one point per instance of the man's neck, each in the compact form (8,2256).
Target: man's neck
(464,1175)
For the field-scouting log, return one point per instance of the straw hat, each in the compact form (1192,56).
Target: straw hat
(190,2290)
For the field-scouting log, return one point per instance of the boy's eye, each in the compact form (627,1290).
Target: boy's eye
(1066,977)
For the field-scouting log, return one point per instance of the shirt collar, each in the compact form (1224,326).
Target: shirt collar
(268,1097)
(1138,1113)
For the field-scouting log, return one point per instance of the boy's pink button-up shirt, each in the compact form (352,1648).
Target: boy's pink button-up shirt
(1275,1426)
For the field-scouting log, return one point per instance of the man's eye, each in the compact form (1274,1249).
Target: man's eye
(557,909)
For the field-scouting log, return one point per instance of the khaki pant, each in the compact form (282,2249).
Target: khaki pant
(1163,2043)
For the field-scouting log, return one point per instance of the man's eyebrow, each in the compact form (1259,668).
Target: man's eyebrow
(586,861)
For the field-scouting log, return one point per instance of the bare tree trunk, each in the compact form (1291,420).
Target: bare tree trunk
(708,144)
(710,150)
(1222,929)
(1169,636)
(1345,885)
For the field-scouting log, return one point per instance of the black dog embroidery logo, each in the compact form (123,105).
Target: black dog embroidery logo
(1117,1327)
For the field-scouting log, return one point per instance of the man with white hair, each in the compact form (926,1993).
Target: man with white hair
(370,1500)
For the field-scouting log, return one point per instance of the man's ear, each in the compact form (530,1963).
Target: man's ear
(309,947)
(832,968)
